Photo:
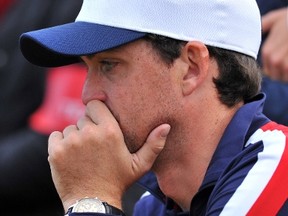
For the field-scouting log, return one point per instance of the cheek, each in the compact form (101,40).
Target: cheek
(141,110)
(131,109)
(149,96)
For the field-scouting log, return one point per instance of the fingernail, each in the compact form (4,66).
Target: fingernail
(165,131)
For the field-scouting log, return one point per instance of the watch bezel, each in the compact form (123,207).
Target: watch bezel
(93,205)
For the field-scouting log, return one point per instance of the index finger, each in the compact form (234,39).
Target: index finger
(269,18)
(99,112)
(53,140)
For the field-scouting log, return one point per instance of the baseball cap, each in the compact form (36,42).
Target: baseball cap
(105,24)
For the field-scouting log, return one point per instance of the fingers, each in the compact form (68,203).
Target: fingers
(99,113)
(69,129)
(54,137)
(96,139)
(145,157)
(275,62)
(269,19)
(275,48)
(85,120)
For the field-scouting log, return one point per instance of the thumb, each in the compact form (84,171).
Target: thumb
(270,18)
(144,158)
(267,22)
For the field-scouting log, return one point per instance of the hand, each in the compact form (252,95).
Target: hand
(275,48)
(92,160)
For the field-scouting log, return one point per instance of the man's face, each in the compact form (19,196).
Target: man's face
(140,90)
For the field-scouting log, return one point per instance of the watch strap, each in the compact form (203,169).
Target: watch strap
(113,210)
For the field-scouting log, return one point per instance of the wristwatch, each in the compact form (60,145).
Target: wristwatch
(93,205)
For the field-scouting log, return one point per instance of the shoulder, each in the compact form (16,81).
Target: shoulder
(256,175)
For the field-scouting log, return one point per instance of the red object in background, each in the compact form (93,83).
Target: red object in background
(62,104)
(4,4)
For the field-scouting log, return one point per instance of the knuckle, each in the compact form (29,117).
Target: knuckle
(56,153)
(87,130)
(276,60)
(266,51)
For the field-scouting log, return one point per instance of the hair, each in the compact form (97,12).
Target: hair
(239,75)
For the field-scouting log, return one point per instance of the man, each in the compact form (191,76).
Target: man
(172,87)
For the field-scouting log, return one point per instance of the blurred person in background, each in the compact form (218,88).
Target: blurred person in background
(28,108)
(25,173)
(273,57)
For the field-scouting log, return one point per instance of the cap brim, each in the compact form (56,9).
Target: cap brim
(63,44)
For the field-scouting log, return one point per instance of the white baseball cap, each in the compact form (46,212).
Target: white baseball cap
(104,24)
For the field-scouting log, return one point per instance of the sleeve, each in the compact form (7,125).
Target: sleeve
(89,214)
(255,183)
(149,205)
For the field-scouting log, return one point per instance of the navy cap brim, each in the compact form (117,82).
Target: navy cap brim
(64,44)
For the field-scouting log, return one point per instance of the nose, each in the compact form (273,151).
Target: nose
(92,89)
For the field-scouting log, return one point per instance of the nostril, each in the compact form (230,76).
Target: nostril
(92,94)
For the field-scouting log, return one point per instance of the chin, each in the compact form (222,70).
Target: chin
(156,165)
(132,147)
(133,142)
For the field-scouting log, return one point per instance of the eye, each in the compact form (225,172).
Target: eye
(107,65)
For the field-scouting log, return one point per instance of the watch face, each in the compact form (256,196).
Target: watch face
(89,205)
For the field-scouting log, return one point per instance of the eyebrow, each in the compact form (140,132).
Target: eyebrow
(111,50)
(80,59)
(90,56)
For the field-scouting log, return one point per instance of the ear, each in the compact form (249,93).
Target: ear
(196,56)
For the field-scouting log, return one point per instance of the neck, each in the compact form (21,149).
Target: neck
(181,167)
